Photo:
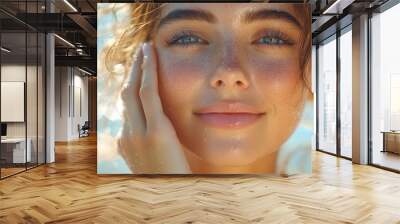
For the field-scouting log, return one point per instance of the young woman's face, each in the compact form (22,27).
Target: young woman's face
(230,78)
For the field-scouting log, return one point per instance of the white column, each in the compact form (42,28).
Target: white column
(360,90)
(50,92)
(50,100)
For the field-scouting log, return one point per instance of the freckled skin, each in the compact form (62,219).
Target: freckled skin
(273,74)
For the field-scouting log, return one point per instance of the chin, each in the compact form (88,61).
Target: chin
(228,153)
(227,147)
(230,160)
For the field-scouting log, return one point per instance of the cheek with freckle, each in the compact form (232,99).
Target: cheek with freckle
(278,79)
(180,79)
(280,84)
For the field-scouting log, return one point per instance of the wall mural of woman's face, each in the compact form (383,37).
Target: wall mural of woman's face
(230,78)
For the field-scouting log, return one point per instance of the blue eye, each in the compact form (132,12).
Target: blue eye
(271,41)
(273,38)
(186,39)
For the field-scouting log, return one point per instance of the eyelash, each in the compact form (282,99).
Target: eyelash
(274,38)
(186,39)
(179,37)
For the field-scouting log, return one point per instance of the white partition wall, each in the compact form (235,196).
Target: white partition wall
(22,90)
(14,70)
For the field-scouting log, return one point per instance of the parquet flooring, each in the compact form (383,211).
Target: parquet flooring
(70,191)
(10,171)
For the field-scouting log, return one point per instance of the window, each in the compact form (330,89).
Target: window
(327,96)
(346,75)
(385,88)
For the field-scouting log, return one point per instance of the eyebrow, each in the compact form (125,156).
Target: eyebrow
(249,17)
(187,14)
(262,14)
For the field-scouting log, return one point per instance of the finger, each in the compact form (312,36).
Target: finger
(133,112)
(148,92)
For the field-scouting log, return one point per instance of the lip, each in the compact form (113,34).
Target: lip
(229,115)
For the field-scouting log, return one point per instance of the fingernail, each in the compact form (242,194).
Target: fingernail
(146,49)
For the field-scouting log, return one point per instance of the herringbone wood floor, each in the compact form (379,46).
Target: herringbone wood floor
(70,191)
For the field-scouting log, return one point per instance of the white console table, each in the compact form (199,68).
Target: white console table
(18,149)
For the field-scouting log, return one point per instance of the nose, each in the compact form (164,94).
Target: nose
(230,79)
(229,73)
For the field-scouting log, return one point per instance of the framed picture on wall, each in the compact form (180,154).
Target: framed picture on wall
(204,88)
(12,101)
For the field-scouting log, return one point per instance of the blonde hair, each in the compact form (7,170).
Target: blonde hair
(144,17)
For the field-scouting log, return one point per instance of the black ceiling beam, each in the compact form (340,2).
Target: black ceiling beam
(91,5)
(11,25)
(78,61)
(8,15)
(87,51)
(84,24)
(49,22)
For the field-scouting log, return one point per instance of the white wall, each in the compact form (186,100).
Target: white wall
(61,103)
(16,73)
(80,89)
(10,73)
(70,83)
(33,127)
